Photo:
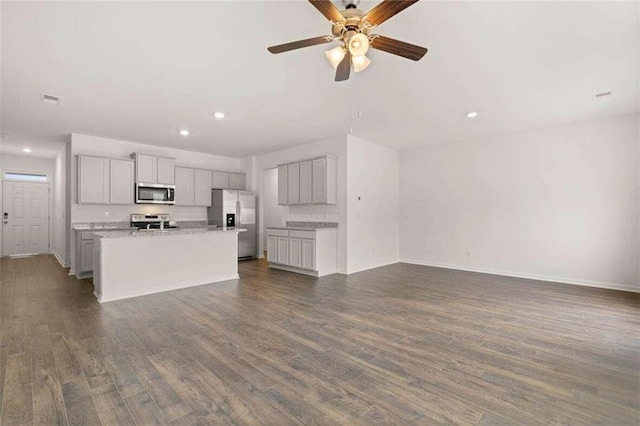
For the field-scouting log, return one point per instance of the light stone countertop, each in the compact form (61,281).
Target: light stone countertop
(298,228)
(101,226)
(165,233)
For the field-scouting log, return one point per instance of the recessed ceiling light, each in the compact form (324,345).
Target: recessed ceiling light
(26,149)
(219,115)
(472,114)
(184,132)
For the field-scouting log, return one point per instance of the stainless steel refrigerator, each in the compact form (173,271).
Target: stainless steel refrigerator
(235,209)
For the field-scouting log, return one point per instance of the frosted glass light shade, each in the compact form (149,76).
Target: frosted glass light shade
(359,45)
(335,56)
(360,63)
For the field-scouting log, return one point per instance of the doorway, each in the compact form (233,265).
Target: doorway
(25,218)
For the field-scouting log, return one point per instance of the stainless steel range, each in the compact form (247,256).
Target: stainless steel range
(152,221)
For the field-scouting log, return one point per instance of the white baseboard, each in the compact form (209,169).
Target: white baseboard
(366,268)
(563,280)
(60,261)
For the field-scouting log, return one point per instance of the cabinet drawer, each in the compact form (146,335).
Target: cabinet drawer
(278,232)
(86,235)
(309,235)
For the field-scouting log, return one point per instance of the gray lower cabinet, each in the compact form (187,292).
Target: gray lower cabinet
(272,249)
(84,253)
(309,252)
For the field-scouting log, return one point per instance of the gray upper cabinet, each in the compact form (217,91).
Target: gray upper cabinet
(202,188)
(146,168)
(305,182)
(121,181)
(283,185)
(153,169)
(237,181)
(309,182)
(219,180)
(93,180)
(293,175)
(184,186)
(166,170)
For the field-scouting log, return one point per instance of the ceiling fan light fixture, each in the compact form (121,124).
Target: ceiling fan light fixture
(359,45)
(360,63)
(335,56)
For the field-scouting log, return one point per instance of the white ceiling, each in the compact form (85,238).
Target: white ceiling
(142,70)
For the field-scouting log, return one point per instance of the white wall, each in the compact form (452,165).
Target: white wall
(27,163)
(560,204)
(373,205)
(329,213)
(58,217)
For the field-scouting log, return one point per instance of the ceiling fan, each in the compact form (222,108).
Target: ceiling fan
(352,27)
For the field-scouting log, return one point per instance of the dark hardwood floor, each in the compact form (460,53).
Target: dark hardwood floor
(400,344)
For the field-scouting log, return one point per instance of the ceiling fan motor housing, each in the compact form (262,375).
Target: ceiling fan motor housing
(350,4)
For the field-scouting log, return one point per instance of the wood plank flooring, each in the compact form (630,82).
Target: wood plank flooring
(399,344)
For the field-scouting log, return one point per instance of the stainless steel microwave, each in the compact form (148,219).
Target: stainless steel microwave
(154,193)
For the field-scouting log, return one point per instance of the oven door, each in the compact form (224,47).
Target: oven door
(150,193)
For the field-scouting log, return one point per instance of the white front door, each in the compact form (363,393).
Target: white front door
(25,218)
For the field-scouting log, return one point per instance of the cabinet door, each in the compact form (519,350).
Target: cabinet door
(305,182)
(202,191)
(308,255)
(283,185)
(184,186)
(121,181)
(220,180)
(272,249)
(166,171)
(86,255)
(283,250)
(319,181)
(237,181)
(294,183)
(93,180)
(146,168)
(295,252)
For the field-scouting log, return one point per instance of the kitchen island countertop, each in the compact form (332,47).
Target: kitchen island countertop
(164,233)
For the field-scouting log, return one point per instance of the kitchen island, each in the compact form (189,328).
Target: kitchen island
(135,263)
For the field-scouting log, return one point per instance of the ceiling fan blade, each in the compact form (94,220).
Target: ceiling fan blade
(328,10)
(344,68)
(397,47)
(299,44)
(386,10)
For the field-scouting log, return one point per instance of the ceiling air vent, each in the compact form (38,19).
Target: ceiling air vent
(49,99)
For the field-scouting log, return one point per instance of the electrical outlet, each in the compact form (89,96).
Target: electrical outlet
(468,253)
(106,214)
